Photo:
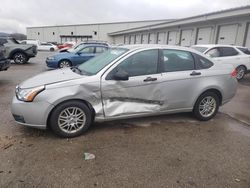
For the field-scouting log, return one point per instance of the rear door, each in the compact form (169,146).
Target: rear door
(180,79)
(141,94)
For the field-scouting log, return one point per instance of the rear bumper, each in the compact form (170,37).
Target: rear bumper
(4,64)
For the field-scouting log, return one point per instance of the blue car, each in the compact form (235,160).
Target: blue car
(75,56)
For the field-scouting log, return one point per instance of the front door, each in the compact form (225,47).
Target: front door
(84,54)
(140,94)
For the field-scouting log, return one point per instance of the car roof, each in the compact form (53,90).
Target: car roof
(215,45)
(149,46)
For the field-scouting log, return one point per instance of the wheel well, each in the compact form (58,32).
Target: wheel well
(216,91)
(79,100)
(17,51)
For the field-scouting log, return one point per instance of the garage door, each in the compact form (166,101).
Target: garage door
(227,34)
(145,39)
(186,37)
(161,38)
(126,40)
(132,39)
(138,39)
(152,38)
(172,37)
(247,44)
(204,35)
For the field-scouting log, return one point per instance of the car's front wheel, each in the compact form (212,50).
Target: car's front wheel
(206,106)
(20,58)
(241,71)
(64,64)
(70,119)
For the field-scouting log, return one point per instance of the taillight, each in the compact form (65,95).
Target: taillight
(234,73)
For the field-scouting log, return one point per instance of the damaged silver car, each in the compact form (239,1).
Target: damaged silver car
(124,82)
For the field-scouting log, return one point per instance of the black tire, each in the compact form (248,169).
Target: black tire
(20,58)
(59,111)
(52,49)
(197,111)
(241,71)
(64,63)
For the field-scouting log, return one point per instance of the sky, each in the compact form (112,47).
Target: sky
(16,15)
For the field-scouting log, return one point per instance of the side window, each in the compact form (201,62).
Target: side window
(177,60)
(99,50)
(87,50)
(228,51)
(202,63)
(214,53)
(141,63)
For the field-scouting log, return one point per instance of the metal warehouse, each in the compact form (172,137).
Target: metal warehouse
(230,26)
(82,32)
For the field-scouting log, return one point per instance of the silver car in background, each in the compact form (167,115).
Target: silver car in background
(124,82)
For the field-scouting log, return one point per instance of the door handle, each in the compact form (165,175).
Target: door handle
(149,79)
(194,73)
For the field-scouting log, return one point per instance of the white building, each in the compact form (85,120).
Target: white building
(230,26)
(99,31)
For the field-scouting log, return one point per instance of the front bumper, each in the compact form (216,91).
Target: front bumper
(4,64)
(32,114)
(52,64)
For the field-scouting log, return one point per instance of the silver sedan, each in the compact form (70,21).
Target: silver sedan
(124,82)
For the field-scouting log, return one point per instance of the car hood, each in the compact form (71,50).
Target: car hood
(50,77)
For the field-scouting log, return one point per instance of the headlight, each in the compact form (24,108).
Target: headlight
(28,95)
(51,58)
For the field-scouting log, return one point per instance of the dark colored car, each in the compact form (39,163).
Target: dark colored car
(20,53)
(75,56)
(4,62)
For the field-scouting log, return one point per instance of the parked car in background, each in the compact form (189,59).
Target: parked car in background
(20,53)
(75,56)
(66,45)
(235,55)
(124,82)
(85,43)
(29,41)
(45,46)
(4,62)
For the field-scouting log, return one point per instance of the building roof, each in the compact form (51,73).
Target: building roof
(104,23)
(233,12)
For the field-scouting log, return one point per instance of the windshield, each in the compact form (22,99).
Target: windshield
(97,63)
(199,48)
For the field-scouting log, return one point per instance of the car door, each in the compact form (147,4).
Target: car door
(140,94)
(84,54)
(180,79)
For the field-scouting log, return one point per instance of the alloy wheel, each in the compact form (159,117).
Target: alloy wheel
(207,106)
(71,120)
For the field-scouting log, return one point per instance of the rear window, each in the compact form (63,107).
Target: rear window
(228,51)
(201,62)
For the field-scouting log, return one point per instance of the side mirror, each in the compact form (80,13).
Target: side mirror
(121,75)
(78,53)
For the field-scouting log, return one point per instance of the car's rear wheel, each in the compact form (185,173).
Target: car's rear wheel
(64,64)
(20,58)
(70,119)
(52,49)
(206,106)
(241,71)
